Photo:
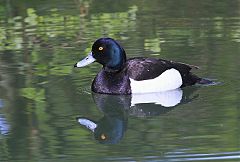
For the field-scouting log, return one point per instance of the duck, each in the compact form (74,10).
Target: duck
(122,76)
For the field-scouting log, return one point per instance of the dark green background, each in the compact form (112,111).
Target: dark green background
(41,93)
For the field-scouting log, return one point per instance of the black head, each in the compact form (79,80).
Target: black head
(107,52)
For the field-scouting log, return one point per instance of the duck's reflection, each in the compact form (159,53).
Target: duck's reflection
(116,108)
(111,127)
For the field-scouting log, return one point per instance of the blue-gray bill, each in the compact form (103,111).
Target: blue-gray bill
(86,61)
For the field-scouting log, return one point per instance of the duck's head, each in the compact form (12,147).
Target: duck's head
(107,52)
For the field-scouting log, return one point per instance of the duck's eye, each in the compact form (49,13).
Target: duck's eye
(100,48)
(103,136)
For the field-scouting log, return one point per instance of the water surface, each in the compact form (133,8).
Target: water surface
(41,94)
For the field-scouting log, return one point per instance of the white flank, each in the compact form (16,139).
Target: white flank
(169,80)
(166,98)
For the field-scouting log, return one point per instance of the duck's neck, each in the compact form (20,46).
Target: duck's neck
(113,70)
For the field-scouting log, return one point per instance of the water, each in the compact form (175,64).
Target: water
(42,95)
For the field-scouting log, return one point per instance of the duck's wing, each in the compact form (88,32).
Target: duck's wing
(149,68)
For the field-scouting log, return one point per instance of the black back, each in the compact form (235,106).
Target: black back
(149,68)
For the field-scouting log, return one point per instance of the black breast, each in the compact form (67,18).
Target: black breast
(111,83)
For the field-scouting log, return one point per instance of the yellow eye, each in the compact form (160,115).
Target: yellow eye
(100,48)
(103,137)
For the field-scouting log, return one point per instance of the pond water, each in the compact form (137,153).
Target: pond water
(48,112)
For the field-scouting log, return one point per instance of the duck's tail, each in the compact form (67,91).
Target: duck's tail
(206,81)
(192,79)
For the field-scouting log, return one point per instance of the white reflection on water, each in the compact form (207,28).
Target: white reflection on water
(181,156)
(4,126)
(200,157)
(166,99)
